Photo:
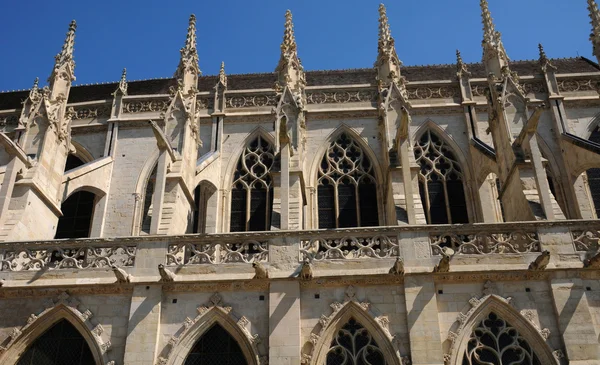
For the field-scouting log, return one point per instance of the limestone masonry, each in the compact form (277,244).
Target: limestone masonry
(421,215)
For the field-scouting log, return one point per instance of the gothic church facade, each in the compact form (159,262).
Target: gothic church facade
(388,215)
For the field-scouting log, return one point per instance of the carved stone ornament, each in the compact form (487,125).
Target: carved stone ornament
(215,306)
(63,302)
(351,303)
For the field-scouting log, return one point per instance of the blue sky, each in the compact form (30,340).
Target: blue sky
(145,36)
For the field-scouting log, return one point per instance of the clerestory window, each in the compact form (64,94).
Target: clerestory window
(252,188)
(440,181)
(346,186)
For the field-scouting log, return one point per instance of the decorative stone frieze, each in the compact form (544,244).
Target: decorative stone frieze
(33,257)
(486,243)
(253,100)
(586,240)
(574,85)
(248,251)
(348,247)
(341,96)
(145,106)
(91,112)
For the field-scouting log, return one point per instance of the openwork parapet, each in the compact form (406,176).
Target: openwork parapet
(586,240)
(73,257)
(216,253)
(349,247)
(486,243)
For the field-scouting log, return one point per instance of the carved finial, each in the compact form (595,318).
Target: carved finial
(35,84)
(461,67)
(544,61)
(288,46)
(66,53)
(190,39)
(34,92)
(387,64)
(386,42)
(123,83)
(222,75)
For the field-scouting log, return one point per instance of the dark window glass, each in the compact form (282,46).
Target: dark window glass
(347,205)
(325,195)
(60,345)
(258,210)
(238,210)
(458,205)
(367,192)
(76,220)
(216,347)
(148,193)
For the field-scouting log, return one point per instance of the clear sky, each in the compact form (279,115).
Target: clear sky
(145,36)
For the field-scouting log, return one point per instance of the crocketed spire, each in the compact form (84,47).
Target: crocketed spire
(189,53)
(387,64)
(543,60)
(595,22)
(461,67)
(66,53)
(289,68)
(288,45)
(123,83)
(489,30)
(492,41)
(386,42)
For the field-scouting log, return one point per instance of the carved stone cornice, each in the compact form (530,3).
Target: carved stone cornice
(82,290)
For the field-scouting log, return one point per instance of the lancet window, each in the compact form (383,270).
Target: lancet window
(147,202)
(77,214)
(354,345)
(61,344)
(346,186)
(593,176)
(440,181)
(216,346)
(495,342)
(252,188)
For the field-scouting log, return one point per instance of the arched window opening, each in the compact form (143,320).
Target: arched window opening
(73,162)
(62,344)
(252,191)
(346,186)
(495,342)
(593,177)
(354,345)
(440,181)
(147,203)
(76,220)
(216,346)
(205,209)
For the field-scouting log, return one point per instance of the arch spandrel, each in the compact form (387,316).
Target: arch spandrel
(481,309)
(215,312)
(66,308)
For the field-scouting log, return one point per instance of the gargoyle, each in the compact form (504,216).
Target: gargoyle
(259,271)
(540,262)
(593,262)
(166,276)
(306,272)
(397,268)
(122,276)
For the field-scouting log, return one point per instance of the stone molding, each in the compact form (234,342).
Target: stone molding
(64,306)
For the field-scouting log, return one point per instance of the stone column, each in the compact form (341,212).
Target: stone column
(284,323)
(575,321)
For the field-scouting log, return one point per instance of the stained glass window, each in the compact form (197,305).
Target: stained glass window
(354,345)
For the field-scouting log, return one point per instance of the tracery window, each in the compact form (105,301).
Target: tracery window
(346,186)
(62,344)
(354,345)
(593,176)
(216,347)
(77,214)
(252,191)
(495,342)
(440,181)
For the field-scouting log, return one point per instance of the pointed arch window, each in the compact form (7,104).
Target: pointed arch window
(440,181)
(354,345)
(593,177)
(62,344)
(346,186)
(77,214)
(495,342)
(147,202)
(216,346)
(252,190)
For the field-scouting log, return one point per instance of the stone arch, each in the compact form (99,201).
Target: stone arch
(89,188)
(64,307)
(377,326)
(227,180)
(471,195)
(592,124)
(140,189)
(178,347)
(206,207)
(502,307)
(370,154)
(81,152)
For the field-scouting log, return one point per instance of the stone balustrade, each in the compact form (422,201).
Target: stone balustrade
(315,245)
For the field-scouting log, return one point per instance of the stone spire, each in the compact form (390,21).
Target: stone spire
(222,75)
(289,68)
(494,54)
(66,53)
(388,64)
(122,88)
(188,71)
(543,60)
(34,92)
(64,65)
(595,22)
